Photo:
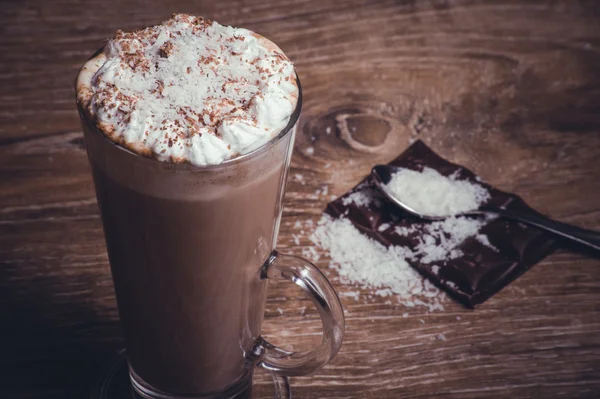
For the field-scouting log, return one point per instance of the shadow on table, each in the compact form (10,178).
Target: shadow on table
(53,338)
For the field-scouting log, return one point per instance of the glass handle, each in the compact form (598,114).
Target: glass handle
(285,363)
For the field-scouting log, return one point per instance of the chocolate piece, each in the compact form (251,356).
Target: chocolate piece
(480,271)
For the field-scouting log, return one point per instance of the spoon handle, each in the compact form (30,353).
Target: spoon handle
(582,236)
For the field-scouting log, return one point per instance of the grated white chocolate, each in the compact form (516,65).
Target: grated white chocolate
(189,90)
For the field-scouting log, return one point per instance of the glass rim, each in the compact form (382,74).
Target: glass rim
(294,117)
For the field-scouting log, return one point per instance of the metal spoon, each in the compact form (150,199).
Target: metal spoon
(382,174)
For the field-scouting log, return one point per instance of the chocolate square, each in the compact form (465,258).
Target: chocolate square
(481,270)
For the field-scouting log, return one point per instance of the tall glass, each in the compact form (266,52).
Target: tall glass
(190,250)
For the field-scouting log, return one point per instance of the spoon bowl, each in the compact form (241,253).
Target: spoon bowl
(382,175)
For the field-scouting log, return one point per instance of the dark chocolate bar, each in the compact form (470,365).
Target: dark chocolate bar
(481,270)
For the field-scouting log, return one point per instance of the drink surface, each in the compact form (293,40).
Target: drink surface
(189,90)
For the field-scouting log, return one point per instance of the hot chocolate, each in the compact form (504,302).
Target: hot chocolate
(186,243)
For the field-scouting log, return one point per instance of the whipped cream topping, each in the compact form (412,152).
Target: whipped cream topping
(189,90)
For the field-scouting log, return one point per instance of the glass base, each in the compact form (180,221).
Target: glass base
(241,389)
(114,382)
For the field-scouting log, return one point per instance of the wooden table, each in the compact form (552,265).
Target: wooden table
(510,89)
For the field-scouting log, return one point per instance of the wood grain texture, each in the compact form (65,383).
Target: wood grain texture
(509,89)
